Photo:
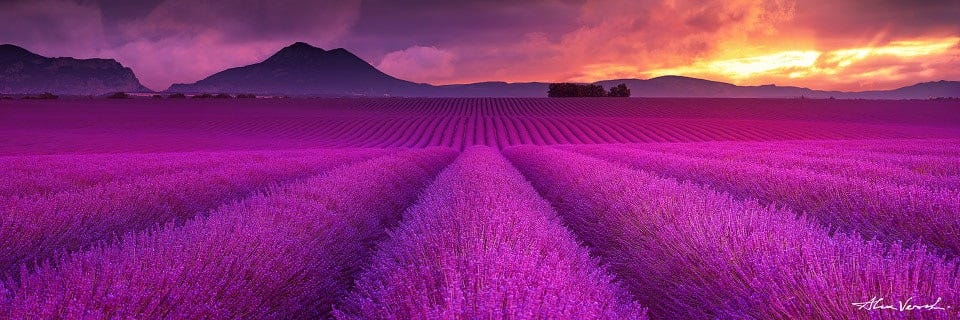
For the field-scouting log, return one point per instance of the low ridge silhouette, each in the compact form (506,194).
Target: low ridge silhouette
(304,70)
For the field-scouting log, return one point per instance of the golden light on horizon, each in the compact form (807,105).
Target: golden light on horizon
(742,68)
(902,49)
(853,64)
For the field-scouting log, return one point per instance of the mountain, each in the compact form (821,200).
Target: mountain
(24,72)
(932,89)
(673,86)
(666,86)
(302,69)
(686,87)
(678,86)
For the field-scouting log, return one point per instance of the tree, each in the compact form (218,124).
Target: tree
(119,95)
(620,90)
(558,90)
(565,90)
(592,90)
(47,96)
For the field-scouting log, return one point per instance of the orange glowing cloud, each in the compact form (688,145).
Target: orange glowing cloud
(885,62)
(745,68)
(820,44)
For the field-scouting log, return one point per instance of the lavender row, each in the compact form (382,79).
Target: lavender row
(692,253)
(41,175)
(933,157)
(35,228)
(929,157)
(937,147)
(481,244)
(890,212)
(939,159)
(290,253)
(858,164)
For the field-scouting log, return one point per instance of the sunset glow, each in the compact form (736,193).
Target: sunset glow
(833,45)
(812,63)
(742,68)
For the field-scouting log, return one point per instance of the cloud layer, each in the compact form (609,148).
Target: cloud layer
(426,63)
(53,27)
(828,44)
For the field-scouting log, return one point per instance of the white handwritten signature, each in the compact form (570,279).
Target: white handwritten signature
(876,303)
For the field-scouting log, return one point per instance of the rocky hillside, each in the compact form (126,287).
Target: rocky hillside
(302,69)
(24,72)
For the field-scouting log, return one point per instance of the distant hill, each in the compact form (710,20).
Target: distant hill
(301,69)
(686,87)
(677,86)
(24,72)
(304,70)
(921,90)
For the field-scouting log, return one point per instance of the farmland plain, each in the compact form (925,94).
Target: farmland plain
(398,208)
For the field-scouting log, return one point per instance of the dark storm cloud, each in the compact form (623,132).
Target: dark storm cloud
(115,11)
(60,28)
(433,21)
(249,20)
(422,40)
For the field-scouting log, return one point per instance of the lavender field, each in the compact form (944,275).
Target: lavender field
(457,208)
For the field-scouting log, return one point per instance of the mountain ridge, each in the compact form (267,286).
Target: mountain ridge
(25,72)
(301,69)
(301,55)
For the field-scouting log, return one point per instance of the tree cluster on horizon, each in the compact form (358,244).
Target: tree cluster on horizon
(567,90)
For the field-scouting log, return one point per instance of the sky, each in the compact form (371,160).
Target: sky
(822,44)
